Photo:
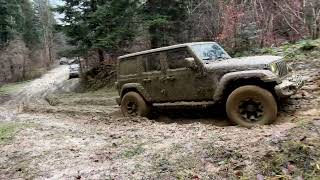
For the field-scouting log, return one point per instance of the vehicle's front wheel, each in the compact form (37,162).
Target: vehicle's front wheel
(249,106)
(133,105)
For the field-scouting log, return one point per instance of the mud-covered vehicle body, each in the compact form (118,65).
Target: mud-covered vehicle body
(204,73)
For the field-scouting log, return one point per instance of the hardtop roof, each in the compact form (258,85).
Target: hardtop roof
(162,49)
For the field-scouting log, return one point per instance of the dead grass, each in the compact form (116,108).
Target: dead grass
(298,156)
(183,166)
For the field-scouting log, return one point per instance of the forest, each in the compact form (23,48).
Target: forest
(121,26)
(100,30)
(27,39)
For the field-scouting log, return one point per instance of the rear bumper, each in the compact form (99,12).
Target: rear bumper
(289,86)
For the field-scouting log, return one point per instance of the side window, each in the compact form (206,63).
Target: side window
(128,66)
(152,62)
(176,58)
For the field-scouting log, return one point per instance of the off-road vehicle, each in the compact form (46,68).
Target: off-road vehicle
(74,71)
(203,72)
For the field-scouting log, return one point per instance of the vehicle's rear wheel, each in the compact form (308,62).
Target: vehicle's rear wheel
(249,106)
(133,105)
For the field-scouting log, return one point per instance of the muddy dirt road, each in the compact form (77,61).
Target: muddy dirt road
(83,136)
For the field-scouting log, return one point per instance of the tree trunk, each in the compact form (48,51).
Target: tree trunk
(154,40)
(24,68)
(101,55)
(93,5)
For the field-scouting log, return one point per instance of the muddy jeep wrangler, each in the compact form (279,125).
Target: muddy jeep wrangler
(204,73)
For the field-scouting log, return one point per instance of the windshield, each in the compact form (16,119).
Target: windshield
(210,52)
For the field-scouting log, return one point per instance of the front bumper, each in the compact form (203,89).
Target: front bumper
(289,86)
(73,74)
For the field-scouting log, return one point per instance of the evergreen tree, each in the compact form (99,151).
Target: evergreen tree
(30,32)
(165,21)
(96,24)
(17,19)
(76,25)
(10,20)
(113,25)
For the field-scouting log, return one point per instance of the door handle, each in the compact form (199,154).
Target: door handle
(171,78)
(167,78)
(146,80)
(162,78)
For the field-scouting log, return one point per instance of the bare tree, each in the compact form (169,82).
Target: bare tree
(46,24)
(312,17)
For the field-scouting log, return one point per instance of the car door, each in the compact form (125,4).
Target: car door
(150,77)
(182,83)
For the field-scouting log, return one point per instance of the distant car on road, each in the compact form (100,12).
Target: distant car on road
(63,61)
(74,71)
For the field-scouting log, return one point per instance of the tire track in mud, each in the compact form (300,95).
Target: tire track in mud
(35,91)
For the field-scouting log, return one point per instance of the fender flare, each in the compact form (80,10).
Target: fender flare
(138,87)
(263,75)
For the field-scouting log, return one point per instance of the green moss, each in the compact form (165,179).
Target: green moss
(302,50)
(187,167)
(294,154)
(220,155)
(184,166)
(12,87)
(7,131)
(134,151)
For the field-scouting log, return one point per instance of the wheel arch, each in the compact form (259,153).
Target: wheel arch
(230,82)
(135,87)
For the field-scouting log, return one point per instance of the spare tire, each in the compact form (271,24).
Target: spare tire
(249,106)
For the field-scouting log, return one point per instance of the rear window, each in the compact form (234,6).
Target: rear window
(128,66)
(151,62)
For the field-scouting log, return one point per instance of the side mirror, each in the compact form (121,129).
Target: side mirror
(191,63)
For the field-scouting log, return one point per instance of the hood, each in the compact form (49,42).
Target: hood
(244,63)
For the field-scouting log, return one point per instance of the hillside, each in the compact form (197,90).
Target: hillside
(84,136)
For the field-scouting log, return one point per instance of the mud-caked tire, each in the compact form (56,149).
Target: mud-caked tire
(249,106)
(133,105)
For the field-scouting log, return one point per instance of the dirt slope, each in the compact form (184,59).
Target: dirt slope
(38,89)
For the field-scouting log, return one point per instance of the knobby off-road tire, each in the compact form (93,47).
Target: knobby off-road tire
(133,105)
(249,106)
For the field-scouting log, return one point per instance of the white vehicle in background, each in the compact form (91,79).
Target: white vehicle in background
(74,71)
(63,61)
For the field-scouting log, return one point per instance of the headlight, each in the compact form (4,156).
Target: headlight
(274,68)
